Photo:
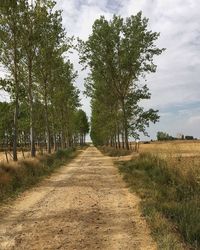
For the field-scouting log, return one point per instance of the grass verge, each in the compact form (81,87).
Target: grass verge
(170,200)
(17,177)
(113,152)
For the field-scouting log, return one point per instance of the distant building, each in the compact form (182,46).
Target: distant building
(180,136)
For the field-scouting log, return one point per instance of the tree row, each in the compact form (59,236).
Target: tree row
(119,54)
(40,79)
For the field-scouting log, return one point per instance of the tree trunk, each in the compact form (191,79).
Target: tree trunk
(125,123)
(62,140)
(47,119)
(31,111)
(22,146)
(63,135)
(15,136)
(115,140)
(16,112)
(6,148)
(118,138)
(55,143)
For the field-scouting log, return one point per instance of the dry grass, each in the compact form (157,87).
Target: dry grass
(167,178)
(183,155)
(20,155)
(184,148)
(17,176)
(114,152)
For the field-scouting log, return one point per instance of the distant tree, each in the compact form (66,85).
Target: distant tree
(81,125)
(64,99)
(162,136)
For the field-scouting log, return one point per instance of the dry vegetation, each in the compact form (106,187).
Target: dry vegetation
(21,155)
(15,177)
(110,151)
(182,155)
(176,148)
(167,178)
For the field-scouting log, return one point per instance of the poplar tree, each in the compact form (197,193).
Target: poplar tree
(40,78)
(119,53)
(52,44)
(10,56)
(29,23)
(82,126)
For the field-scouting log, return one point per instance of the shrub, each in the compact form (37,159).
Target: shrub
(111,151)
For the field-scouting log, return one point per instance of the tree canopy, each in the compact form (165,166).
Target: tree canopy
(119,53)
(39,78)
(45,106)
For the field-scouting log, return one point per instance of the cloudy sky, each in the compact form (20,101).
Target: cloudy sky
(175,87)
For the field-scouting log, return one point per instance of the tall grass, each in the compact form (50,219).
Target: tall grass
(16,177)
(170,198)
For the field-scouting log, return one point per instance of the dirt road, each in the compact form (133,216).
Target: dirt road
(84,205)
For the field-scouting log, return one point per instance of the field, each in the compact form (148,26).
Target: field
(183,155)
(176,148)
(166,176)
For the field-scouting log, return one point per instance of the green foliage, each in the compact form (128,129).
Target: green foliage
(81,122)
(113,152)
(167,192)
(61,153)
(162,136)
(6,120)
(81,125)
(40,79)
(119,53)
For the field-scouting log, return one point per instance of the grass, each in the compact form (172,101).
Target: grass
(187,148)
(113,152)
(170,192)
(16,177)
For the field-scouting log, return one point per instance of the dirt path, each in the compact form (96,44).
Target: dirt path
(84,205)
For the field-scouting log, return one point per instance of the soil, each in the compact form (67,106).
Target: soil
(83,205)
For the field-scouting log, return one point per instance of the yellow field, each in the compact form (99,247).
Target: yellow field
(184,155)
(184,148)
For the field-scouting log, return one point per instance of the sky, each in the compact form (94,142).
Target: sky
(175,87)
